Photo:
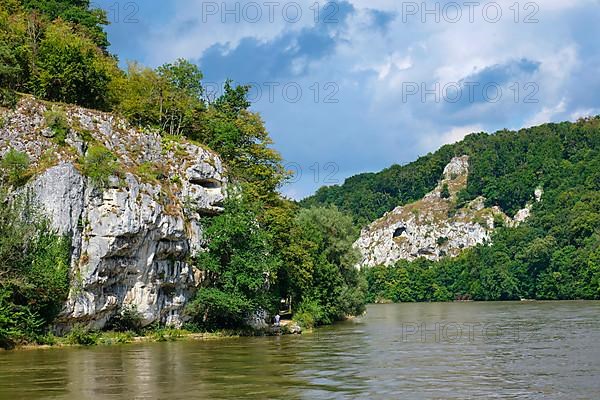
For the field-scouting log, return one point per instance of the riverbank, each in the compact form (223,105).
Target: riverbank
(115,338)
(82,338)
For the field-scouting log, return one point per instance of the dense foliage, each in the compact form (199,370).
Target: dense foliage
(34,266)
(334,288)
(554,255)
(56,50)
(90,21)
(99,164)
(240,266)
(368,196)
(251,264)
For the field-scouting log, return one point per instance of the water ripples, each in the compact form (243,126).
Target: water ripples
(536,350)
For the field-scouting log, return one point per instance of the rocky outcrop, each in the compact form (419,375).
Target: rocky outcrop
(132,240)
(434,227)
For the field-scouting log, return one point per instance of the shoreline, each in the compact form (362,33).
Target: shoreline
(111,338)
(108,339)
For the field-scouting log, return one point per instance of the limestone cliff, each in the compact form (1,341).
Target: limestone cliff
(133,238)
(434,226)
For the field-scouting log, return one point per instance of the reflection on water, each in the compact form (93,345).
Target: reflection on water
(422,351)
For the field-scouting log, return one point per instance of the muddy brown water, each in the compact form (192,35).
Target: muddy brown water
(510,350)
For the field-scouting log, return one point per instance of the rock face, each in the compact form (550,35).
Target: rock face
(434,227)
(132,240)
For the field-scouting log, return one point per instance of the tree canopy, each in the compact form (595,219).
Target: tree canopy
(553,255)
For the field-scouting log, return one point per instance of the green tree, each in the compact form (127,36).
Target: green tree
(14,50)
(9,67)
(90,21)
(168,98)
(295,276)
(234,100)
(70,68)
(240,267)
(180,98)
(336,287)
(240,137)
(139,93)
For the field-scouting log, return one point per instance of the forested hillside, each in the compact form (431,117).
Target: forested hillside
(505,167)
(555,254)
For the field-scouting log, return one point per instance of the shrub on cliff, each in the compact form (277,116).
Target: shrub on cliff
(445,193)
(99,164)
(14,166)
(56,120)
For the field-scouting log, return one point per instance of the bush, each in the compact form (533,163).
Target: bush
(445,192)
(15,165)
(8,98)
(442,240)
(214,308)
(82,336)
(34,265)
(18,324)
(47,339)
(166,334)
(99,164)
(128,319)
(9,332)
(310,314)
(352,299)
(56,120)
(150,172)
(116,337)
(498,221)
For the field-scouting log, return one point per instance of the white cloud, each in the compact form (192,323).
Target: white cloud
(370,66)
(582,113)
(455,134)
(546,114)
(198,25)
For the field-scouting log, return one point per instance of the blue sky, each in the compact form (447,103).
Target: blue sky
(355,86)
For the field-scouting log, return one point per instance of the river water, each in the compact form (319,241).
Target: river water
(511,350)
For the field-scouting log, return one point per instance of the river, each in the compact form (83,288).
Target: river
(510,350)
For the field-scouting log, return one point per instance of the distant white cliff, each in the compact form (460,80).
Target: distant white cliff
(434,227)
